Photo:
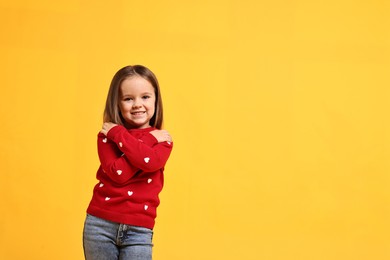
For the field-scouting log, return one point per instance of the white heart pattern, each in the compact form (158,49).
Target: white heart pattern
(107,198)
(146,159)
(119,172)
(149,180)
(146,207)
(130,193)
(120,144)
(101,185)
(105,140)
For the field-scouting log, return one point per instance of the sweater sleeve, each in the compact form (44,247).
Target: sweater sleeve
(114,164)
(148,158)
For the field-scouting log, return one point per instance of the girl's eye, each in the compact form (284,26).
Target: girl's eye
(146,97)
(128,99)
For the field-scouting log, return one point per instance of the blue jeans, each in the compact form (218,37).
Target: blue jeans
(107,240)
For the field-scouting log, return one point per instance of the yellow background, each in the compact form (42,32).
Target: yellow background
(279,112)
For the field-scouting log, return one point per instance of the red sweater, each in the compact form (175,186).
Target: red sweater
(130,176)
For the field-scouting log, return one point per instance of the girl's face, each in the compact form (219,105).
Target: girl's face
(137,102)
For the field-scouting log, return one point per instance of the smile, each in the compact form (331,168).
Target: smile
(138,113)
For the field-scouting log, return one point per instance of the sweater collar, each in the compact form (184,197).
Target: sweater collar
(141,130)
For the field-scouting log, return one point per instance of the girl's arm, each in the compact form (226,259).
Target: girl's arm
(140,153)
(114,164)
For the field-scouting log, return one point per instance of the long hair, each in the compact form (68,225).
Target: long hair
(112,112)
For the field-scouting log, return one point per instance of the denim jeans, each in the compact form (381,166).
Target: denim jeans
(105,240)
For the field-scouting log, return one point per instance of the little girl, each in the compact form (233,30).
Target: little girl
(133,151)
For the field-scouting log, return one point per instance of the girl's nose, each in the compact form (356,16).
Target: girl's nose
(136,103)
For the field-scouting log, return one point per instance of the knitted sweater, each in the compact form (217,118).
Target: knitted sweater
(130,176)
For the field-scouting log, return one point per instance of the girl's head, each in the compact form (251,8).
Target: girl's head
(134,99)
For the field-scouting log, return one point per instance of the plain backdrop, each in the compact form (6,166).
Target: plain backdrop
(279,112)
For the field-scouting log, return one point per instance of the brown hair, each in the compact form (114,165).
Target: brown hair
(112,112)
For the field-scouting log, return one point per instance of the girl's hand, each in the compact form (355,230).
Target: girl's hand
(107,127)
(161,135)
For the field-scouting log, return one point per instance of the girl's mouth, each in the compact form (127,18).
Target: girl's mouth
(137,113)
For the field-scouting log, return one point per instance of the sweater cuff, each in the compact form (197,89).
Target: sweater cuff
(150,139)
(114,131)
